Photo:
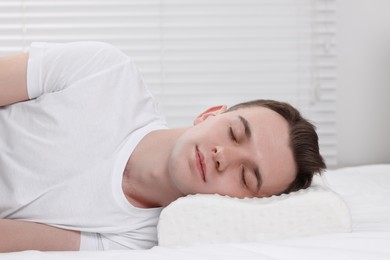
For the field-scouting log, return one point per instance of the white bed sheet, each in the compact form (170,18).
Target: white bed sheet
(366,190)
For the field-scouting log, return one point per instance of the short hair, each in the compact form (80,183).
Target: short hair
(303,141)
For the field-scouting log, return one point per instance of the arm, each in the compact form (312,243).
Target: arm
(13,79)
(18,235)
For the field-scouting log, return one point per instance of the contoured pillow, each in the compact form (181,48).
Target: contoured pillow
(204,219)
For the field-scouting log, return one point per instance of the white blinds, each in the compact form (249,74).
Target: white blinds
(198,53)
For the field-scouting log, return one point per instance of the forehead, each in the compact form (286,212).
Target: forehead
(270,147)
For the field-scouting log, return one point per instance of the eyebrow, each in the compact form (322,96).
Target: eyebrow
(248,134)
(258,178)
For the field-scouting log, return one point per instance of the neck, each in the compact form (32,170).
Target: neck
(146,182)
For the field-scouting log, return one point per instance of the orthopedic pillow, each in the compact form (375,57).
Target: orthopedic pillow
(201,219)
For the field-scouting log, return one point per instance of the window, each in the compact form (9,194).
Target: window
(198,53)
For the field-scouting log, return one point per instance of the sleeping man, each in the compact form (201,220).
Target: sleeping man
(87,161)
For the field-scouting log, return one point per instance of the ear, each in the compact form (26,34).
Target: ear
(212,111)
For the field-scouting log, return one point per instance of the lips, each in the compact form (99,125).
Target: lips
(200,164)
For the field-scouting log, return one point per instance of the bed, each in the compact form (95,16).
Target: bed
(366,192)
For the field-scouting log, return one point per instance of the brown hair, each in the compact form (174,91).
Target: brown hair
(303,141)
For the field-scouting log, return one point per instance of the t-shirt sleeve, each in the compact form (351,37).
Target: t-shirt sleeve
(53,67)
(98,242)
(90,242)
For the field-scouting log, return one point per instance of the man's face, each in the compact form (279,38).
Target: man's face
(243,153)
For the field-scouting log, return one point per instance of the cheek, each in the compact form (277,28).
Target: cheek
(177,163)
(228,185)
(178,173)
(179,166)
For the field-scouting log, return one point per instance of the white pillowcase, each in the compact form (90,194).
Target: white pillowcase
(204,219)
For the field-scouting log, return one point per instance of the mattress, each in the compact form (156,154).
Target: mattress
(366,191)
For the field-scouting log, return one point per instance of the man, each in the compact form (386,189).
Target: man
(87,161)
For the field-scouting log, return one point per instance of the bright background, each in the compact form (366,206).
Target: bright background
(329,58)
(363,89)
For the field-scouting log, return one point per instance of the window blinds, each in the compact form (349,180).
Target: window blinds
(198,53)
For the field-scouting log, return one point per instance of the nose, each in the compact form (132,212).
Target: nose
(225,157)
(218,158)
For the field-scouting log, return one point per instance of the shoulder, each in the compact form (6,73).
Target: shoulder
(78,53)
(99,52)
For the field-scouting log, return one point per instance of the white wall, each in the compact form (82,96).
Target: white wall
(363,110)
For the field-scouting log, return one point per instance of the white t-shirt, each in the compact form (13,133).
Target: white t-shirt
(62,153)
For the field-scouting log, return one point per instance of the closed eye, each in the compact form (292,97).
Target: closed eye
(232,136)
(243,177)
